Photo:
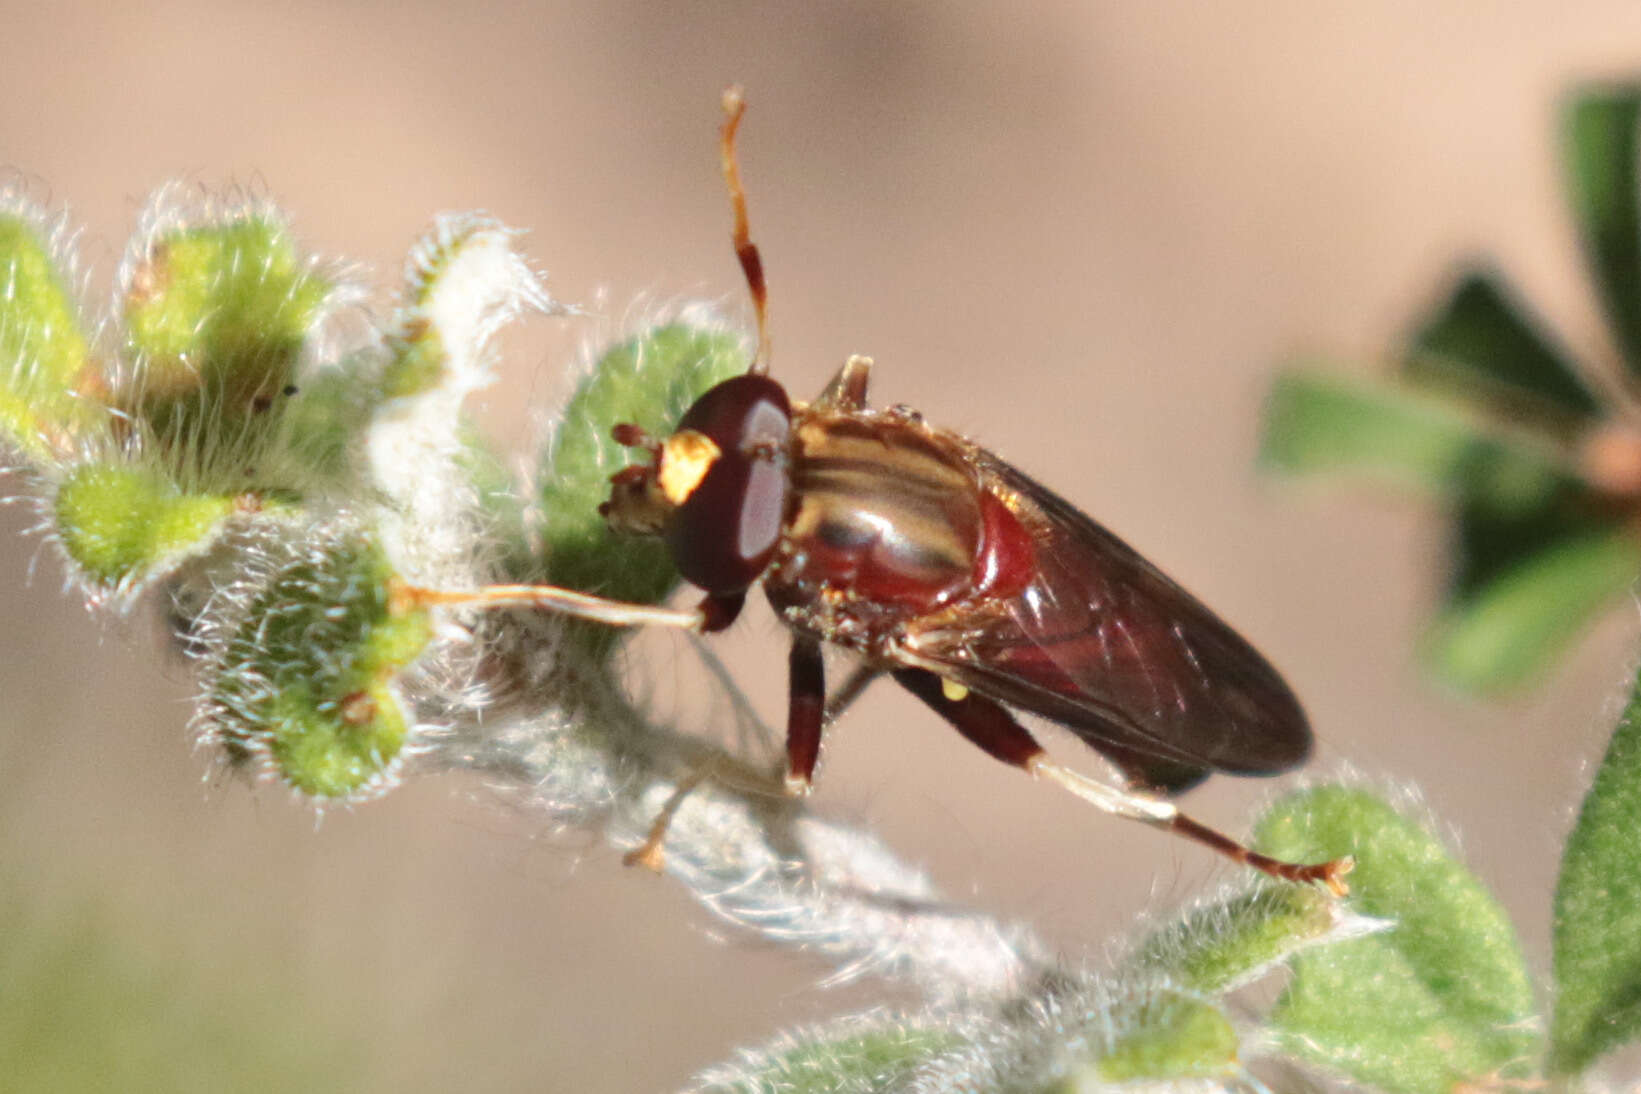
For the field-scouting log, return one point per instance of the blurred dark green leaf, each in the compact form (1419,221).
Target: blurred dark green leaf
(1598,910)
(1601,147)
(1322,424)
(1524,589)
(1439,1001)
(1481,342)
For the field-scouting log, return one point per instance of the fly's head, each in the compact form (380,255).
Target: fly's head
(717,488)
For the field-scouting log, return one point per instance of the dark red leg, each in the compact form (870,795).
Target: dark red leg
(993,728)
(718,612)
(853,686)
(976,717)
(807,704)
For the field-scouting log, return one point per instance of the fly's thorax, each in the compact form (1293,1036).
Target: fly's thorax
(886,518)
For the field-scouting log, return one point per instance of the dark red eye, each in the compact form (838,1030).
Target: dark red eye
(724,533)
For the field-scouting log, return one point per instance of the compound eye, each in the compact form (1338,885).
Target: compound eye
(725,531)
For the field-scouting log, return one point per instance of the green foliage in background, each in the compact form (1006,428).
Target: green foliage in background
(1490,418)
(91,1004)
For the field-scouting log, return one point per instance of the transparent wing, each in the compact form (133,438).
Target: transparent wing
(1105,644)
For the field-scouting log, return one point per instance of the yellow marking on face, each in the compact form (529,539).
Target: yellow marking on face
(686,457)
(953,691)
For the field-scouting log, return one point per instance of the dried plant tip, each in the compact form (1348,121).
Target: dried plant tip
(464,281)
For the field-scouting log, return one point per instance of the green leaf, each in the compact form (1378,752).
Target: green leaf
(1600,150)
(216,316)
(1171,1035)
(1598,910)
(121,525)
(43,354)
(650,381)
(1219,947)
(1318,424)
(1482,342)
(851,1061)
(303,681)
(321,428)
(1526,591)
(1440,1000)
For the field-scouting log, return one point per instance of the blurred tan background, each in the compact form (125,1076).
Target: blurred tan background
(1082,232)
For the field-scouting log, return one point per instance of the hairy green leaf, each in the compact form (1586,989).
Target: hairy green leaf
(856,1061)
(1171,1035)
(216,316)
(123,524)
(1598,910)
(1439,1000)
(304,680)
(1223,945)
(43,354)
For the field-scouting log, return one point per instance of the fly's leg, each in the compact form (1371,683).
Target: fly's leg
(989,725)
(719,611)
(615,613)
(809,711)
(853,686)
(734,103)
(806,709)
(984,722)
(650,853)
(1165,815)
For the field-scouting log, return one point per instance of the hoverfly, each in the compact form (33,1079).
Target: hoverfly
(977,589)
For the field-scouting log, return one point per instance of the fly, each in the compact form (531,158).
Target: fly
(977,589)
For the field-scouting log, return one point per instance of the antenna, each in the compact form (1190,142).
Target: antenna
(752,265)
